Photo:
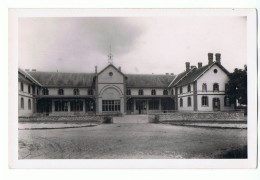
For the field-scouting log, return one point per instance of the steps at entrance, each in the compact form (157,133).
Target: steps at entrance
(131,119)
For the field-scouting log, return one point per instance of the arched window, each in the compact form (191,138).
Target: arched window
(189,101)
(76,91)
(153,92)
(215,87)
(141,92)
(181,102)
(29,104)
(45,91)
(90,91)
(180,90)
(165,92)
(22,103)
(128,92)
(172,92)
(204,101)
(29,89)
(60,91)
(204,87)
(227,101)
(189,88)
(21,86)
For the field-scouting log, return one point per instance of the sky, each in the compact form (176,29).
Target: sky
(140,45)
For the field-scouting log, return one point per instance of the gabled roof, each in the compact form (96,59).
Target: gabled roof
(28,76)
(110,65)
(197,73)
(148,80)
(61,79)
(178,78)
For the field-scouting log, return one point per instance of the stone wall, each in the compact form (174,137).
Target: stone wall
(198,116)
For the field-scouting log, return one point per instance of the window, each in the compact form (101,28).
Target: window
(204,101)
(29,89)
(76,106)
(45,91)
(128,92)
(153,92)
(22,103)
(154,104)
(172,92)
(60,92)
(165,92)
(226,88)
(227,101)
(189,88)
(61,106)
(29,104)
(141,92)
(21,86)
(181,102)
(76,91)
(215,71)
(180,90)
(33,89)
(215,87)
(189,101)
(90,91)
(204,87)
(110,105)
(110,73)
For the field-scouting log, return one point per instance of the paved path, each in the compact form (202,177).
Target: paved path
(136,119)
(130,140)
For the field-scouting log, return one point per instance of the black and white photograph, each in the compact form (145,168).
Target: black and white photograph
(133,85)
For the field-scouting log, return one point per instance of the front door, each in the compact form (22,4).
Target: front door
(216,104)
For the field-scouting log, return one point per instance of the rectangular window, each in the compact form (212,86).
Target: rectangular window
(61,106)
(189,101)
(204,100)
(153,104)
(111,105)
(76,106)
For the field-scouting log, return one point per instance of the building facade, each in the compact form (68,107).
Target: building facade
(110,91)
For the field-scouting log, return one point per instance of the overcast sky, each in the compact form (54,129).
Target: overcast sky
(139,45)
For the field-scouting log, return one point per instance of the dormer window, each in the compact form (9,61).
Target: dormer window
(128,92)
(90,91)
(141,92)
(45,91)
(60,91)
(76,91)
(165,92)
(153,92)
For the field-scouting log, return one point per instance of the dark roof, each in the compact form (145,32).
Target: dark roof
(148,80)
(178,78)
(197,72)
(61,79)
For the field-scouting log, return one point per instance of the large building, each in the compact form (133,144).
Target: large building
(110,91)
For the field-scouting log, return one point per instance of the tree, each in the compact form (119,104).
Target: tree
(237,86)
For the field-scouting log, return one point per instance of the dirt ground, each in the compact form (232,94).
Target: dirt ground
(131,141)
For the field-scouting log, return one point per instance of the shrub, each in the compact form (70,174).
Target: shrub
(108,119)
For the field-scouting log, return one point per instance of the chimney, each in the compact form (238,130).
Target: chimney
(218,58)
(119,68)
(172,74)
(193,67)
(33,69)
(210,58)
(187,66)
(96,69)
(199,64)
(166,73)
(27,69)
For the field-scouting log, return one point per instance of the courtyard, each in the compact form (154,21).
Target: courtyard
(137,140)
